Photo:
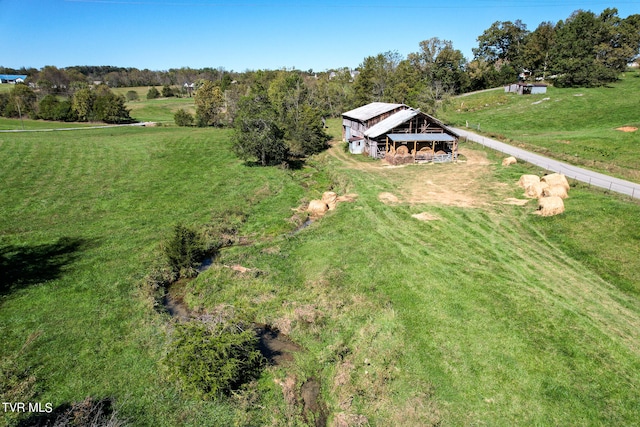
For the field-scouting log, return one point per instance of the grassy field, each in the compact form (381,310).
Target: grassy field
(83,215)
(155,110)
(574,125)
(28,124)
(481,313)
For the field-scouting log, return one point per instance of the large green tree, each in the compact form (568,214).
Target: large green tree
(592,50)
(376,79)
(502,42)
(536,53)
(209,101)
(82,104)
(297,117)
(21,101)
(501,45)
(110,108)
(307,135)
(257,134)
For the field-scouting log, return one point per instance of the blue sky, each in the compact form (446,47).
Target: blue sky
(253,34)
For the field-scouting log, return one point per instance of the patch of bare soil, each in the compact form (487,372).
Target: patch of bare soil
(313,409)
(425,216)
(276,347)
(514,201)
(459,184)
(627,129)
(388,198)
(455,184)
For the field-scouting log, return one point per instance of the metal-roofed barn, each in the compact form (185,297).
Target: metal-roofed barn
(398,133)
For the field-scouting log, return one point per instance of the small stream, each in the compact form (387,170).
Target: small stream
(277,348)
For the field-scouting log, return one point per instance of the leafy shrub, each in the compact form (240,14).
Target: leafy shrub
(51,108)
(110,108)
(183,118)
(167,92)
(212,358)
(153,93)
(184,251)
(132,95)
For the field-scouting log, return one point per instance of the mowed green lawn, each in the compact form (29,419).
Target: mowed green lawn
(575,125)
(82,217)
(473,318)
(486,314)
(155,110)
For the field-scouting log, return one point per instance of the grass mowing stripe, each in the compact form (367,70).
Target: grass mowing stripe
(478,317)
(119,192)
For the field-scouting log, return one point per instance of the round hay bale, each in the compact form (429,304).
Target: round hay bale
(556,179)
(402,150)
(527,180)
(331,199)
(317,207)
(555,190)
(550,206)
(535,190)
(509,161)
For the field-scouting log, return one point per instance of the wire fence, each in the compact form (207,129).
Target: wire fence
(574,173)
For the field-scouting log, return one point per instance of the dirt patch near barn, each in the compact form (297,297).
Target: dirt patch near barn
(460,184)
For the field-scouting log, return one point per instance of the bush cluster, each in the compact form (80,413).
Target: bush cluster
(184,251)
(183,118)
(212,358)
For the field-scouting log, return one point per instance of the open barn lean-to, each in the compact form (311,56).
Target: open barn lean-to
(398,133)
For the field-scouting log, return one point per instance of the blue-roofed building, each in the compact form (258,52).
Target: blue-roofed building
(12,78)
(398,133)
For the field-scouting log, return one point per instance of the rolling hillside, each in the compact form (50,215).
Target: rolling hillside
(428,299)
(579,126)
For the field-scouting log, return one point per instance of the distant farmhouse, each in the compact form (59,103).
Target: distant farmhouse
(12,78)
(398,133)
(523,88)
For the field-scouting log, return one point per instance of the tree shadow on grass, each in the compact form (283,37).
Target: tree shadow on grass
(90,412)
(21,266)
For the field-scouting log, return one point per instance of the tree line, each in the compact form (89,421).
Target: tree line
(85,104)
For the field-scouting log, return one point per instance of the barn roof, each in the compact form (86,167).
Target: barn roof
(420,137)
(371,110)
(391,122)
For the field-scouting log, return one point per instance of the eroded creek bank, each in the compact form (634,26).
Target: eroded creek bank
(277,348)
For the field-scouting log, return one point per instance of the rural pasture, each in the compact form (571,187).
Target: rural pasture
(430,298)
(582,126)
